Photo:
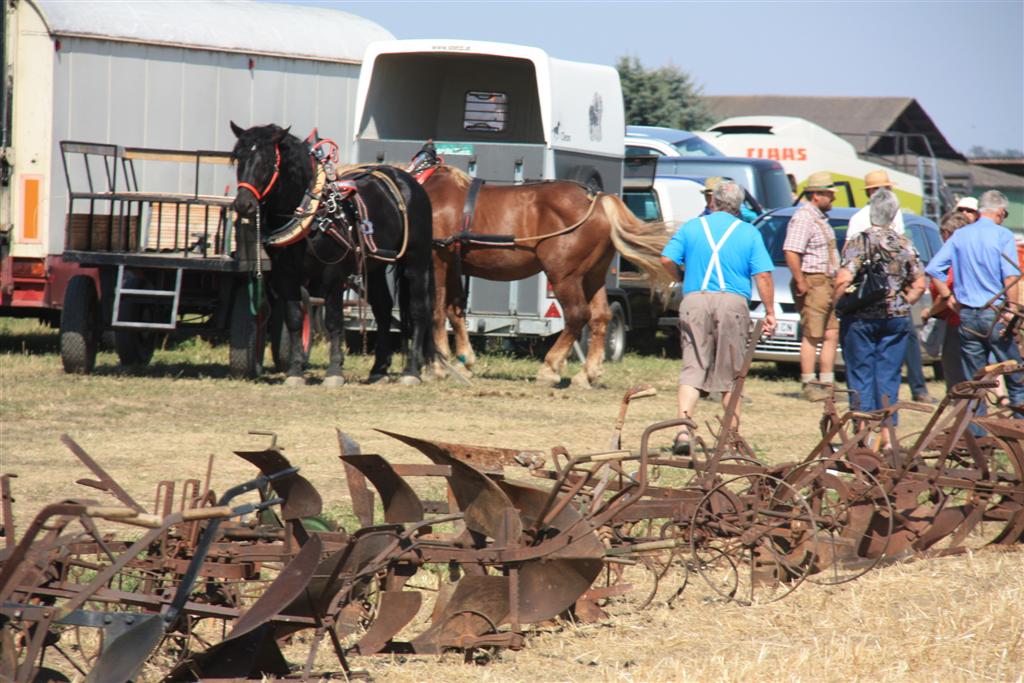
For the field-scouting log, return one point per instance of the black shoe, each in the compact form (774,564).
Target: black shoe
(925,398)
(681,447)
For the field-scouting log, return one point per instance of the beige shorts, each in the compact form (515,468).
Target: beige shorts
(816,307)
(713,328)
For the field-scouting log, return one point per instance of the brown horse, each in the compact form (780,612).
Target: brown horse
(559,227)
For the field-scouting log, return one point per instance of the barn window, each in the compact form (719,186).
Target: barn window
(486,112)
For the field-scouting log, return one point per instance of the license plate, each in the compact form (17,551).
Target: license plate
(785,329)
(454,149)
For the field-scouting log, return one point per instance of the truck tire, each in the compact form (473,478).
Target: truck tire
(280,342)
(245,356)
(79,326)
(615,335)
(134,347)
(588,177)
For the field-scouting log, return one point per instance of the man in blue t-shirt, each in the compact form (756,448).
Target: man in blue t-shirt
(717,254)
(983,256)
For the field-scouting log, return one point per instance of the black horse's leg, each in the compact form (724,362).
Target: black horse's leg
(417,287)
(334,324)
(381,304)
(291,292)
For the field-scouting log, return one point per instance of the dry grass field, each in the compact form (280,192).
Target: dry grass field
(953,619)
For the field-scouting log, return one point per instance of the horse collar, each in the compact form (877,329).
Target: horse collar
(260,196)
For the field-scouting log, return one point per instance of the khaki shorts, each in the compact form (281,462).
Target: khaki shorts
(713,328)
(816,307)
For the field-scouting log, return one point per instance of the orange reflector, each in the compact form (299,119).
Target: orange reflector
(28,268)
(30,208)
(553,312)
(550,291)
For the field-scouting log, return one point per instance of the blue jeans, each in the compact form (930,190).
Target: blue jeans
(874,349)
(975,349)
(915,371)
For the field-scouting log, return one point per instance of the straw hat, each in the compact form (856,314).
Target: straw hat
(969,203)
(711,183)
(877,178)
(820,182)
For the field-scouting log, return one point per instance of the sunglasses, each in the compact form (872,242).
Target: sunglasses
(964,209)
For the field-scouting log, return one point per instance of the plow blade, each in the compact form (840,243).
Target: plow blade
(478,606)
(252,655)
(401,504)
(486,509)
(396,609)
(300,496)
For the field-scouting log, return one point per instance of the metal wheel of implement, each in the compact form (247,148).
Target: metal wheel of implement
(853,513)
(79,326)
(764,528)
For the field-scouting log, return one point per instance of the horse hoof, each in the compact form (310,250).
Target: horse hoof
(410,380)
(548,376)
(334,381)
(294,381)
(463,370)
(377,379)
(581,381)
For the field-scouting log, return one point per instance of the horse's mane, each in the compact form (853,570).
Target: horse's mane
(460,177)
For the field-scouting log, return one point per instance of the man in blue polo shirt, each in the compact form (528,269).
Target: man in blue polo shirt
(717,255)
(984,260)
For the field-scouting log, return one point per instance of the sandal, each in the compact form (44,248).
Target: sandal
(681,446)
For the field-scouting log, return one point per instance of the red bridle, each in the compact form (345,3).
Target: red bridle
(273,179)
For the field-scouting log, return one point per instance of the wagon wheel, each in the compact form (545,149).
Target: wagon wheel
(245,357)
(79,326)
(134,346)
(853,513)
(355,618)
(765,529)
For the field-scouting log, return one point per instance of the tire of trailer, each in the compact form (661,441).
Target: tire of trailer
(245,356)
(587,176)
(134,347)
(79,326)
(615,335)
(280,342)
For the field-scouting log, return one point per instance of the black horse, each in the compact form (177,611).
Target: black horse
(318,232)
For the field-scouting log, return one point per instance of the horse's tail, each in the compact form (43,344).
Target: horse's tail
(639,242)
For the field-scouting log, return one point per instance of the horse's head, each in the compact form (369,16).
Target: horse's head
(257,157)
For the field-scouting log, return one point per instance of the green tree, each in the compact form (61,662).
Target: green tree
(666,96)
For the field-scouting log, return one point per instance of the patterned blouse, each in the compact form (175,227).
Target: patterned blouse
(903,267)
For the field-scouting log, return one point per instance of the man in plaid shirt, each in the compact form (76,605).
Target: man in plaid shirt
(810,251)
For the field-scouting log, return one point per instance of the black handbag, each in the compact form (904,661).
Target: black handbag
(870,284)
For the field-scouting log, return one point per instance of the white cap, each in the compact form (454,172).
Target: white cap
(968,203)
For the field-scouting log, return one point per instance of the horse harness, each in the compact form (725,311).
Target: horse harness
(332,206)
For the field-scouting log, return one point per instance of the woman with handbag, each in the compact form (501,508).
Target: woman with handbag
(880,276)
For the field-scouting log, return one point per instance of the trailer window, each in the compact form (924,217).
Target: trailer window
(485,112)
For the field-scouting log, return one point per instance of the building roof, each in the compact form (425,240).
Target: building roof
(226,25)
(1014,165)
(981,177)
(853,118)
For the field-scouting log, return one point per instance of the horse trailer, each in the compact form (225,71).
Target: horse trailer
(154,76)
(506,114)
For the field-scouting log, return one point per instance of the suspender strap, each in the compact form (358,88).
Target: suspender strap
(715,261)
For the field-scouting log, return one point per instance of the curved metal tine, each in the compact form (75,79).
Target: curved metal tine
(106,482)
(401,504)
(486,509)
(639,391)
(10,567)
(127,654)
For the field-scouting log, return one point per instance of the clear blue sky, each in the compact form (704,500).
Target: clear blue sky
(963,61)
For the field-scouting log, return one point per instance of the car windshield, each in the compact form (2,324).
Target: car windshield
(695,147)
(773,232)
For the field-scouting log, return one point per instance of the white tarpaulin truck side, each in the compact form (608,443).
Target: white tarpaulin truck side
(150,74)
(503,113)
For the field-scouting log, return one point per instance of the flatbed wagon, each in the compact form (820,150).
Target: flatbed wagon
(167,262)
